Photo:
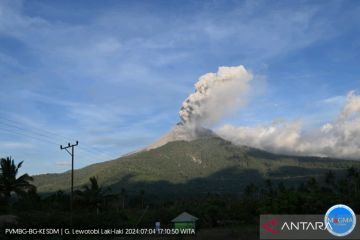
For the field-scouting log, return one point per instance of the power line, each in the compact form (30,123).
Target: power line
(42,139)
(12,125)
(9,131)
(50,135)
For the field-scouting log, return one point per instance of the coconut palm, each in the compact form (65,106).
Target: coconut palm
(9,183)
(92,196)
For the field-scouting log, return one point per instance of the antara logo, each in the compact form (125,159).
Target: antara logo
(304,226)
(269,226)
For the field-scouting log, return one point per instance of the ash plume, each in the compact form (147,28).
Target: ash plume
(216,95)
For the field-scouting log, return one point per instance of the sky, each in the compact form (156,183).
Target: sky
(113,74)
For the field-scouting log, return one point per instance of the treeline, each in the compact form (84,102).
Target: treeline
(18,196)
(314,196)
(95,205)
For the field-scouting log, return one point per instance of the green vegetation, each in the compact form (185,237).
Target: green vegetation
(93,196)
(227,187)
(220,215)
(205,165)
(10,183)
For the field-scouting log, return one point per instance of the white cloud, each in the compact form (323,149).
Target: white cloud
(352,107)
(339,138)
(335,100)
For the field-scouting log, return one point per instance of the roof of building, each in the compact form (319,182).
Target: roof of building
(185,217)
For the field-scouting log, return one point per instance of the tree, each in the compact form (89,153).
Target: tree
(312,185)
(330,178)
(93,196)
(123,197)
(142,194)
(9,183)
(250,191)
(330,182)
(353,174)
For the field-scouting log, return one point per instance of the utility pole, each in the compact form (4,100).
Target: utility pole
(72,172)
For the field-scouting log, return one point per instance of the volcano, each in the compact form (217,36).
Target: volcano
(194,162)
(190,159)
(182,132)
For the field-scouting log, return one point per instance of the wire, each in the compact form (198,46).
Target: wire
(41,139)
(50,135)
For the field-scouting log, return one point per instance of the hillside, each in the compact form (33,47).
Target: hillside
(208,164)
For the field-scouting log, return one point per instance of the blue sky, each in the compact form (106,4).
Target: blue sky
(113,74)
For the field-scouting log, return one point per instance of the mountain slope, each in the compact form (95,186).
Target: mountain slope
(207,164)
(182,133)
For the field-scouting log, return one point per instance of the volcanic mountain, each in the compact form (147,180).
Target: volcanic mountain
(194,162)
(181,132)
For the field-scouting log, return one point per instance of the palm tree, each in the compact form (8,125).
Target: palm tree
(9,183)
(93,196)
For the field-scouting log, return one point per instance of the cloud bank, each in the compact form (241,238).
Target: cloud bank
(215,96)
(339,138)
